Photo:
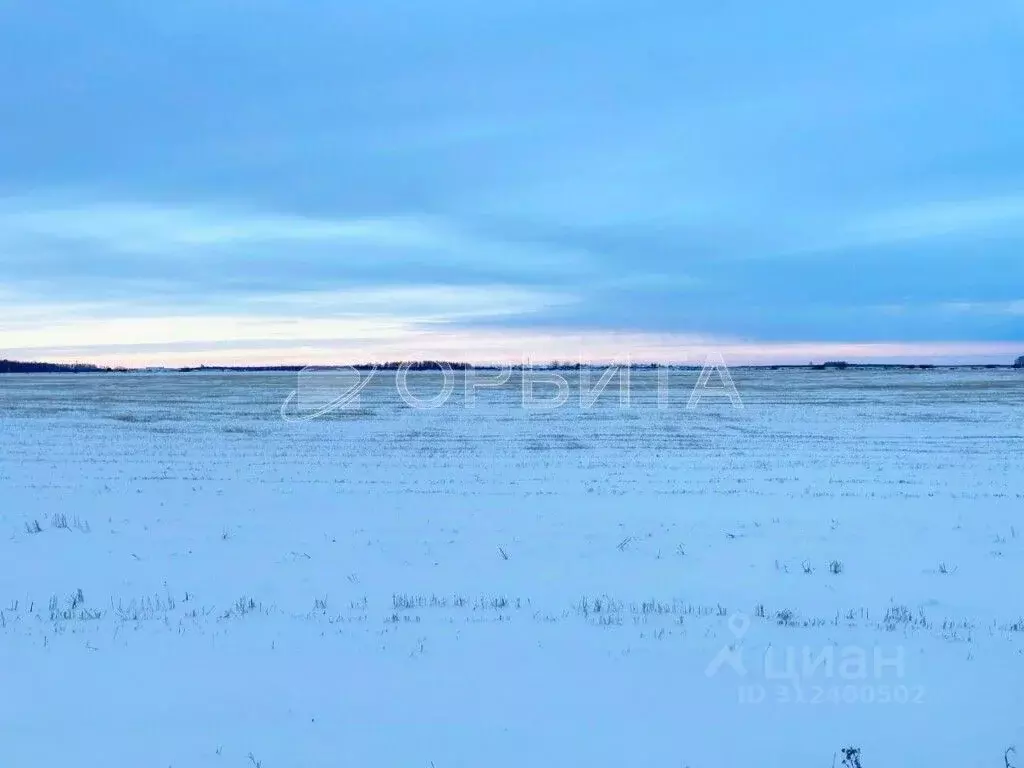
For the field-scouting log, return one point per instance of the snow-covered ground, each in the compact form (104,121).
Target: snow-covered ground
(187,579)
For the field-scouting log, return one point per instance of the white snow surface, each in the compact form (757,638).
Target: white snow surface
(187,579)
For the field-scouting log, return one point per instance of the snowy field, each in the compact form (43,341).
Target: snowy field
(189,580)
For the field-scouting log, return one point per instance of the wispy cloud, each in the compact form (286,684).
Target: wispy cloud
(326,315)
(32,231)
(420,303)
(923,223)
(985,307)
(942,219)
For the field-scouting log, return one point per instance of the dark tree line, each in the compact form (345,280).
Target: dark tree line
(16,366)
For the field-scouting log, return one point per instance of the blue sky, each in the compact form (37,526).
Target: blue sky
(214,181)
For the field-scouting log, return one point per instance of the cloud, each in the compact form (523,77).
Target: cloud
(421,303)
(985,307)
(210,247)
(319,316)
(920,224)
(941,219)
(152,229)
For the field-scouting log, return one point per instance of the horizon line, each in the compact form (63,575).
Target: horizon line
(427,365)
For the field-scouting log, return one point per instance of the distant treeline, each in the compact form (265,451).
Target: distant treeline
(842,365)
(424,365)
(418,365)
(16,366)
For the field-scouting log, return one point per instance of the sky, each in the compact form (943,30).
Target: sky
(229,182)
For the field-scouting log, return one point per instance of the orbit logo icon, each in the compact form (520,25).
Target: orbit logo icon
(323,390)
